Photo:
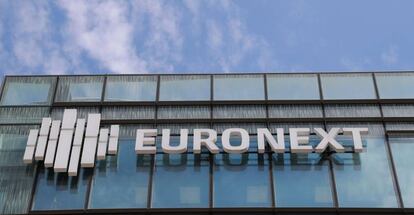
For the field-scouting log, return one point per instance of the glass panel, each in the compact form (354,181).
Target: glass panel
(79,89)
(250,127)
(348,86)
(354,110)
(395,85)
(286,126)
(185,88)
(28,90)
(58,191)
(235,141)
(82,112)
(292,87)
(183,112)
(239,87)
(121,181)
(181,181)
(363,180)
(398,110)
(241,180)
(128,112)
(311,186)
(131,88)
(23,114)
(130,131)
(295,111)
(399,126)
(402,152)
(239,111)
(16,178)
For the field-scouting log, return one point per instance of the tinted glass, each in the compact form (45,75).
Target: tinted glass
(402,151)
(181,181)
(28,90)
(185,88)
(239,87)
(23,115)
(348,86)
(16,177)
(79,89)
(292,87)
(301,180)
(241,180)
(121,181)
(58,191)
(395,85)
(131,88)
(364,179)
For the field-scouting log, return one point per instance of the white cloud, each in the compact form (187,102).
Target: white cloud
(390,56)
(102,30)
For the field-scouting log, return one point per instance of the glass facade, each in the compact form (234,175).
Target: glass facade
(381,178)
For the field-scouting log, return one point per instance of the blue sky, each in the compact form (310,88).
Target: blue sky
(196,36)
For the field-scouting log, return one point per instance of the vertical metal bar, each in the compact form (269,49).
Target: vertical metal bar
(388,149)
(211,156)
(330,162)
(150,181)
(2,88)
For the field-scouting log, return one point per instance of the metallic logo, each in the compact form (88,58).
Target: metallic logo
(53,142)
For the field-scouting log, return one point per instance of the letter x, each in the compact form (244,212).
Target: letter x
(328,139)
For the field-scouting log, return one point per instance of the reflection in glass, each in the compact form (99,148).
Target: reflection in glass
(402,152)
(79,89)
(301,180)
(348,86)
(58,191)
(121,181)
(185,88)
(131,88)
(239,87)
(241,180)
(292,87)
(395,85)
(28,90)
(364,179)
(23,114)
(16,178)
(181,181)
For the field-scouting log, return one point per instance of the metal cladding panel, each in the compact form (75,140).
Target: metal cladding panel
(113,140)
(91,139)
(74,161)
(51,146)
(92,128)
(102,144)
(80,129)
(45,127)
(63,151)
(69,119)
(30,147)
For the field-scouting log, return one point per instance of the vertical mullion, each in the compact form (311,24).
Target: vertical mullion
(330,162)
(211,156)
(388,149)
(2,88)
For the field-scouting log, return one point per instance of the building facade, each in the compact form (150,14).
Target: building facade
(379,179)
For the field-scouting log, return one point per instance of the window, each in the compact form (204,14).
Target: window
(185,88)
(131,88)
(364,179)
(79,89)
(183,112)
(181,181)
(239,111)
(292,87)
(295,111)
(348,86)
(395,85)
(28,90)
(128,112)
(301,180)
(241,180)
(402,148)
(352,110)
(239,87)
(121,181)
(58,191)
(16,177)
(398,110)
